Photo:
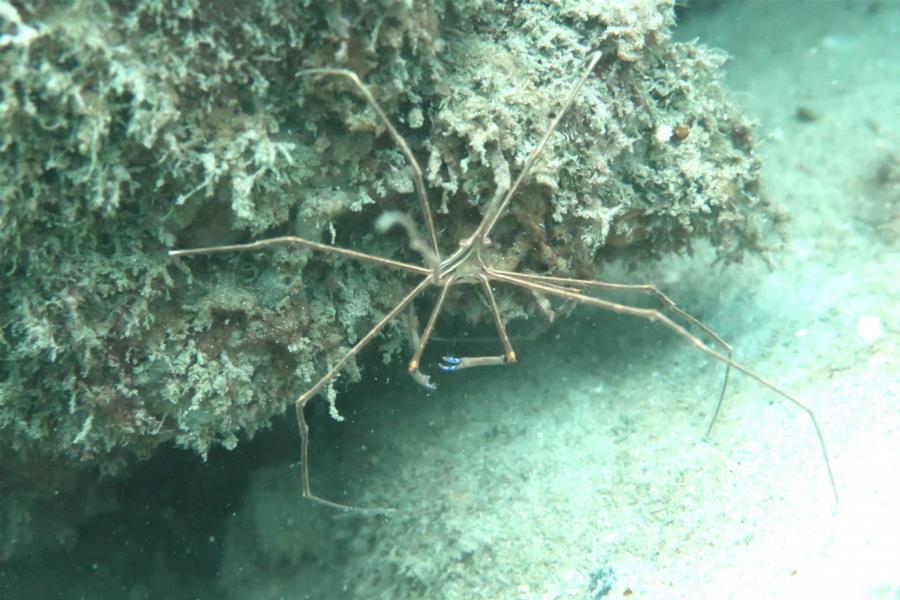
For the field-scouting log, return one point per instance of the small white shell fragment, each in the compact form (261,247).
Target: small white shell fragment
(870,328)
(663,134)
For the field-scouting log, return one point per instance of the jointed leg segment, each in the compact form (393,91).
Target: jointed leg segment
(655,315)
(666,302)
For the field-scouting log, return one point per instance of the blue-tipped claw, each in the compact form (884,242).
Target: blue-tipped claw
(449,364)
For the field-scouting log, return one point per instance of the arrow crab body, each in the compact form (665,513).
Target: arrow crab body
(469,264)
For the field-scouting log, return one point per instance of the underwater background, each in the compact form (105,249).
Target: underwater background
(583,471)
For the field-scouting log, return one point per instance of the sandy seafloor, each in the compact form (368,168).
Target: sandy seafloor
(583,472)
